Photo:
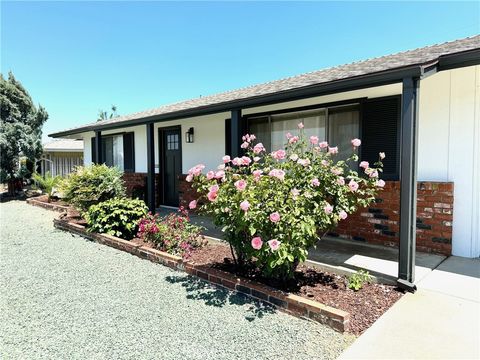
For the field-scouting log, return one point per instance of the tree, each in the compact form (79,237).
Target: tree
(20,128)
(103,115)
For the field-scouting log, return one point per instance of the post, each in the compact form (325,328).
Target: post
(236,132)
(408,184)
(98,147)
(150,168)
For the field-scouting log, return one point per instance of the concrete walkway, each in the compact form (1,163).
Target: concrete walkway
(440,321)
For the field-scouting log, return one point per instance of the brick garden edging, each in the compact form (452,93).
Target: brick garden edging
(295,305)
(49,206)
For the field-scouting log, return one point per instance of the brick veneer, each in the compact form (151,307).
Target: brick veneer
(139,180)
(379,224)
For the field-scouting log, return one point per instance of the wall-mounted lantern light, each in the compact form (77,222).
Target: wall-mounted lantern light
(189,136)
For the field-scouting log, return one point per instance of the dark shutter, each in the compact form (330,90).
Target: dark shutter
(228,139)
(129,152)
(94,151)
(380,133)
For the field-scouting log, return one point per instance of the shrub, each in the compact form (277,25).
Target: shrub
(358,279)
(118,217)
(273,207)
(91,185)
(174,233)
(47,184)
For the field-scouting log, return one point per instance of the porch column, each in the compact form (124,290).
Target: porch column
(236,132)
(408,183)
(98,147)
(150,168)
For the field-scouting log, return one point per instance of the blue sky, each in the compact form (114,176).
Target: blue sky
(78,57)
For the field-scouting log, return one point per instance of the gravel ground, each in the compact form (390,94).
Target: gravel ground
(63,297)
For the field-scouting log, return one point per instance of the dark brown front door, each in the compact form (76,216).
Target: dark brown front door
(171,164)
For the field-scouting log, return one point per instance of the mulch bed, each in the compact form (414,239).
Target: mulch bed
(365,306)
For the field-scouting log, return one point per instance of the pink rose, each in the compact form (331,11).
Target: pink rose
(240,185)
(244,145)
(274,244)
(381,155)
(342,215)
(210,175)
(324,162)
(245,205)
(257,149)
(373,174)
(279,154)
(323,145)
(328,209)
(315,182)
(333,150)
(193,204)
(219,174)
(237,161)
(196,170)
(226,159)
(256,159)
(257,174)
(275,217)
(380,183)
(356,142)
(303,162)
(288,135)
(364,164)
(279,174)
(341,181)
(353,185)
(300,125)
(221,167)
(212,196)
(246,160)
(293,139)
(257,243)
(314,140)
(189,178)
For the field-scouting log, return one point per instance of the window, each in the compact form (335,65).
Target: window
(117,150)
(173,142)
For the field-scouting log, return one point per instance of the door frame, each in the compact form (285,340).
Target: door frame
(161,159)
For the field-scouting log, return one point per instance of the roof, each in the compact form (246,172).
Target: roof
(63,145)
(422,57)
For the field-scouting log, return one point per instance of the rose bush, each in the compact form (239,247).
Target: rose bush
(273,207)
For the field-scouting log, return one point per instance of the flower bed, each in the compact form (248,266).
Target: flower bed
(42,201)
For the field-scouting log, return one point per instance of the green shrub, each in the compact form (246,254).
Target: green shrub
(46,183)
(91,185)
(118,217)
(358,279)
(174,233)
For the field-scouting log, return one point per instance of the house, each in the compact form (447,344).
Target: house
(61,156)
(421,107)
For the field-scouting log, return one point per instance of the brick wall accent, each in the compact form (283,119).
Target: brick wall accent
(186,192)
(379,224)
(139,180)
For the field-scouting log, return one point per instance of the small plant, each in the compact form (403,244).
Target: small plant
(47,183)
(91,185)
(118,217)
(358,279)
(174,233)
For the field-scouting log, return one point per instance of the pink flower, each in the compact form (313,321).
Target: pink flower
(237,161)
(212,196)
(353,185)
(279,154)
(189,178)
(279,174)
(193,204)
(219,174)
(333,150)
(244,145)
(323,145)
(364,164)
(300,125)
(356,142)
(293,139)
(246,160)
(303,162)
(257,149)
(257,243)
(274,244)
(245,205)
(337,171)
(240,185)
(328,209)
(294,157)
(213,188)
(221,167)
(196,170)
(341,181)
(380,183)
(324,162)
(226,159)
(256,159)
(381,155)
(315,182)
(342,215)
(373,174)
(275,217)
(257,174)
(288,135)
(210,175)
(314,140)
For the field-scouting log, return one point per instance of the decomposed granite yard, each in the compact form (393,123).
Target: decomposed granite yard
(63,297)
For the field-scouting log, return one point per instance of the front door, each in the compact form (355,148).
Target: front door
(171,164)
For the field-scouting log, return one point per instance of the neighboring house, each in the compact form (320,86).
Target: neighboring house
(421,107)
(61,156)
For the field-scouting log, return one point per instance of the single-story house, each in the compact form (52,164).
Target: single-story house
(421,107)
(60,157)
